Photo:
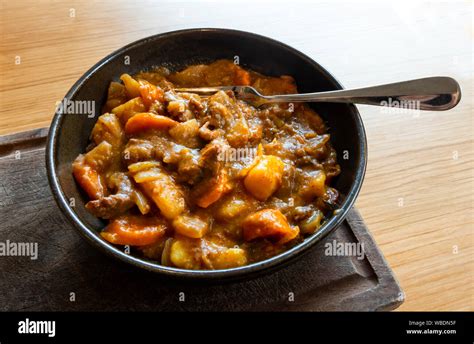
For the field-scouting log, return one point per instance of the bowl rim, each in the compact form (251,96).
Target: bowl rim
(285,257)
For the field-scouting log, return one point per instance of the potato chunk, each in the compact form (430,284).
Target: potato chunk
(184,253)
(108,128)
(132,86)
(162,189)
(270,224)
(234,206)
(186,133)
(191,226)
(129,109)
(265,177)
(116,95)
(314,185)
(230,258)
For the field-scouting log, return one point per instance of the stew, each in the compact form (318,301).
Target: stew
(206,182)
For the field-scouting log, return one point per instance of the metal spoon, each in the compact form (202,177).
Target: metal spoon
(435,93)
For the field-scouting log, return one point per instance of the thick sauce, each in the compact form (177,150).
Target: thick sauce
(206,183)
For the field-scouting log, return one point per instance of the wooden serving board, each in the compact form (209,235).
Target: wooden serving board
(69,274)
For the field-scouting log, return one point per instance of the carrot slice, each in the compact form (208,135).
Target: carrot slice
(213,189)
(88,178)
(134,231)
(150,93)
(146,120)
(270,224)
(242,77)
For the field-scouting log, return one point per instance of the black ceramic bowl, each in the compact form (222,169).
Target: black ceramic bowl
(69,133)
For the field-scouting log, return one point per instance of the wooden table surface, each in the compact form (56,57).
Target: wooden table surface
(417,197)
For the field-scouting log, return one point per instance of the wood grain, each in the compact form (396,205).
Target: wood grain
(418,192)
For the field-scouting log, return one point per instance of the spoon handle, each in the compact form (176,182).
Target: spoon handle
(434,93)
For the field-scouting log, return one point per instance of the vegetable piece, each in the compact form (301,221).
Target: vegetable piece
(162,189)
(211,190)
(154,251)
(88,178)
(234,206)
(127,110)
(116,95)
(134,231)
(165,255)
(216,256)
(132,87)
(87,167)
(312,223)
(230,258)
(108,128)
(147,120)
(150,93)
(265,177)
(141,201)
(142,166)
(270,224)
(186,133)
(190,226)
(100,156)
(242,77)
(315,185)
(183,253)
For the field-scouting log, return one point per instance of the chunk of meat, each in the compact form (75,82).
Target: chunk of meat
(138,150)
(230,116)
(183,106)
(134,230)
(211,155)
(189,170)
(146,121)
(265,177)
(124,198)
(270,224)
(207,133)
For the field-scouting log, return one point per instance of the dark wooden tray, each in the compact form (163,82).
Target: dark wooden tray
(66,264)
